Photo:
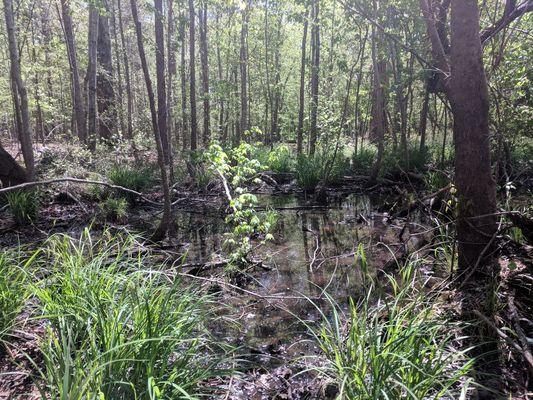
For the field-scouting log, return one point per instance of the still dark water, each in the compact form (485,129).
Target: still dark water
(315,251)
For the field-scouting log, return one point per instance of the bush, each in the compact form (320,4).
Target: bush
(131,178)
(279,160)
(24,205)
(364,160)
(391,346)
(12,293)
(308,171)
(118,329)
(114,209)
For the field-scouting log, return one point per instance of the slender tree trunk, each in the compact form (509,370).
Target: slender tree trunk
(160,78)
(205,72)
(192,63)
(127,78)
(25,134)
(183,78)
(301,103)
(91,75)
(220,73)
(245,118)
(469,99)
(120,89)
(162,229)
(77,95)
(104,79)
(315,69)
(171,68)
(378,121)
(357,120)
(422,127)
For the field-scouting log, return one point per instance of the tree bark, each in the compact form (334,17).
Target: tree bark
(243,58)
(11,173)
(77,95)
(127,77)
(183,83)
(301,101)
(162,229)
(19,92)
(315,69)
(469,99)
(160,79)
(91,75)
(192,63)
(205,72)
(104,80)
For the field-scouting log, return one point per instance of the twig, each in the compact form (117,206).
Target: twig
(498,331)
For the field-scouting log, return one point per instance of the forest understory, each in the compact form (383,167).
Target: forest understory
(275,199)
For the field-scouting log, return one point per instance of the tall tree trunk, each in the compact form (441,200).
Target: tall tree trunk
(315,69)
(243,62)
(192,68)
(120,89)
(171,68)
(220,73)
(183,83)
(92,34)
(25,134)
(301,103)
(127,78)
(469,99)
(160,78)
(378,121)
(77,95)
(422,127)
(104,80)
(162,229)
(205,72)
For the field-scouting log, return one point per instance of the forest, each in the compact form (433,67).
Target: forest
(266,199)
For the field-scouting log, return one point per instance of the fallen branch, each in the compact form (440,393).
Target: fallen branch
(75,180)
(498,331)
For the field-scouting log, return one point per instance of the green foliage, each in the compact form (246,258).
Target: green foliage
(12,293)
(320,167)
(363,161)
(24,205)
(435,180)
(236,169)
(117,329)
(279,160)
(395,162)
(391,346)
(114,209)
(134,178)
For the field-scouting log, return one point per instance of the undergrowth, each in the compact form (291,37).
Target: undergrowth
(24,205)
(117,327)
(392,344)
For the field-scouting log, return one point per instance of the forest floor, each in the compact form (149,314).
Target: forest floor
(314,251)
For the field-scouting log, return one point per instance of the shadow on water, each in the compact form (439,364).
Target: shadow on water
(315,250)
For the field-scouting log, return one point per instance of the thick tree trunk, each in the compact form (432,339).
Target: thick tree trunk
(160,78)
(104,80)
(301,101)
(19,92)
(205,72)
(162,229)
(91,75)
(315,69)
(127,78)
(11,173)
(469,98)
(77,95)
(192,63)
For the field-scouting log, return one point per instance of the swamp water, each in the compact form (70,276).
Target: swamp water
(315,251)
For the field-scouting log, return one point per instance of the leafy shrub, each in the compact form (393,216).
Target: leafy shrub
(117,329)
(114,209)
(435,180)
(364,160)
(12,293)
(24,205)
(131,178)
(280,160)
(391,346)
